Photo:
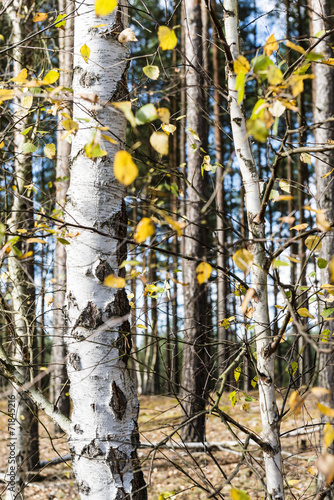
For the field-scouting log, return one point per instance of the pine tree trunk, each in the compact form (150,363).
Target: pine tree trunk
(194,358)
(104,436)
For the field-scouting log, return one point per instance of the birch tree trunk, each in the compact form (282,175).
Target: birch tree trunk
(104,435)
(194,358)
(250,178)
(59,383)
(21,274)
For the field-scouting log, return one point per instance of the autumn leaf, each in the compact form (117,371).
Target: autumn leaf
(51,77)
(299,227)
(85,52)
(167,38)
(39,17)
(104,7)
(295,47)
(159,142)
(239,495)
(168,129)
(203,272)
(313,243)
(243,259)
(305,313)
(21,77)
(237,373)
(151,72)
(241,65)
(247,298)
(164,115)
(325,410)
(144,229)
(296,402)
(36,240)
(305,158)
(270,46)
(50,151)
(70,125)
(125,169)
(125,107)
(127,35)
(114,281)
(322,222)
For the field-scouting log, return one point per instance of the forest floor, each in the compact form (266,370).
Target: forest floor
(189,475)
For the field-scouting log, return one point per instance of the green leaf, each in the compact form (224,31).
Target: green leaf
(327,312)
(2,232)
(146,114)
(258,130)
(260,65)
(279,263)
(322,263)
(28,147)
(151,72)
(63,241)
(26,130)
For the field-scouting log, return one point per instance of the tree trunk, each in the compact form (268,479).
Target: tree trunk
(323,108)
(250,178)
(59,379)
(194,358)
(21,274)
(104,436)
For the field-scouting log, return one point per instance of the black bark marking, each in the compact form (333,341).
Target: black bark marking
(74,360)
(117,461)
(77,429)
(121,495)
(102,270)
(91,317)
(91,450)
(88,79)
(118,402)
(83,487)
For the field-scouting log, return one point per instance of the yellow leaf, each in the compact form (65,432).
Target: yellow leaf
(27,101)
(125,107)
(293,259)
(168,129)
(21,77)
(283,197)
(306,158)
(125,169)
(239,495)
(2,144)
(104,7)
(164,115)
(237,373)
(325,410)
(312,470)
(305,313)
(293,482)
(328,173)
(241,65)
(247,298)
(50,151)
(6,94)
(322,222)
(243,259)
(85,52)
(271,45)
(328,435)
(70,125)
(325,465)
(299,227)
(295,402)
(39,17)
(245,407)
(167,38)
(36,240)
(144,229)
(203,272)
(177,226)
(51,77)
(159,142)
(313,243)
(285,186)
(114,281)
(293,46)
(331,269)
(274,75)
(108,138)
(26,255)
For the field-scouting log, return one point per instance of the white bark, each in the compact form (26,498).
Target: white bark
(265,364)
(104,436)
